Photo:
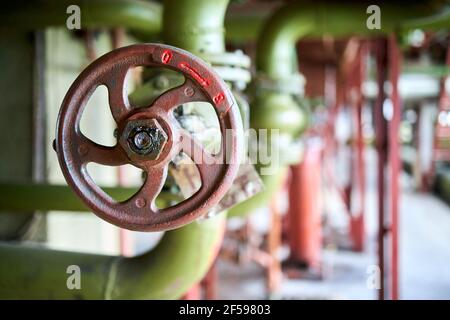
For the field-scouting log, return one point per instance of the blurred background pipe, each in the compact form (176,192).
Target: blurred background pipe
(276,63)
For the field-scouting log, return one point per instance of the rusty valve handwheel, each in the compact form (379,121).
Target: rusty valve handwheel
(149,138)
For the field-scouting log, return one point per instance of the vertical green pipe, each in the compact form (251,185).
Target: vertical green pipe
(195,25)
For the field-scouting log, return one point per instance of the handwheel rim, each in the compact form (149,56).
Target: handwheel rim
(74,153)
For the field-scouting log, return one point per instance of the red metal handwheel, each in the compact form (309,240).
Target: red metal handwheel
(149,137)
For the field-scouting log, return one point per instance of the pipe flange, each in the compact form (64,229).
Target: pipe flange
(234,59)
(231,66)
(291,85)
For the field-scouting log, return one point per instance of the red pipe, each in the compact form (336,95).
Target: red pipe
(394,160)
(381,147)
(440,153)
(209,282)
(357,226)
(194,293)
(305,231)
(274,274)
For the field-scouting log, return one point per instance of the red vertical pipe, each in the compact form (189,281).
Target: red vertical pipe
(194,293)
(388,51)
(209,282)
(381,147)
(440,132)
(305,233)
(357,220)
(274,275)
(394,160)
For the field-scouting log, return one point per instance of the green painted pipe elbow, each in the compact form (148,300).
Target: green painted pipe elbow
(299,19)
(180,260)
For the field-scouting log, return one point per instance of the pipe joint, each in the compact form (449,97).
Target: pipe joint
(293,84)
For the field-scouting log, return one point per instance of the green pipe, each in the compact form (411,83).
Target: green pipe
(245,26)
(195,25)
(436,70)
(272,183)
(434,22)
(21,197)
(180,259)
(296,20)
(141,16)
(300,19)
(276,48)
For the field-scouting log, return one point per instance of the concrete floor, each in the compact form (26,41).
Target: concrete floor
(424,257)
(425,251)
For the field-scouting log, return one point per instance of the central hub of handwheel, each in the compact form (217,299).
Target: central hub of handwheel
(143,139)
(149,137)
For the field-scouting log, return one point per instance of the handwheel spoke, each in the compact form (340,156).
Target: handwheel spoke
(118,95)
(89,151)
(156,177)
(207,164)
(187,92)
